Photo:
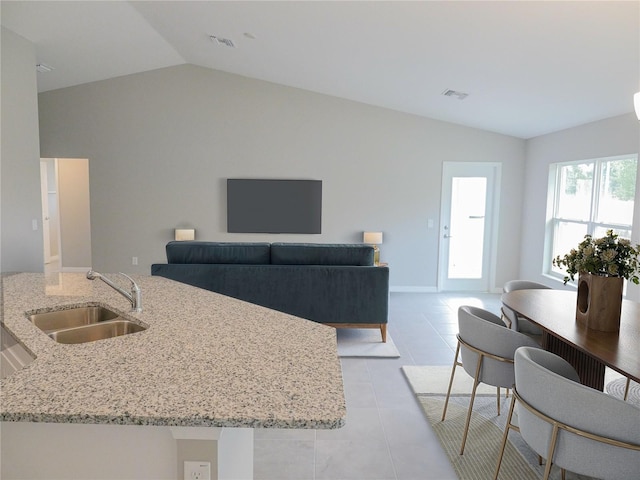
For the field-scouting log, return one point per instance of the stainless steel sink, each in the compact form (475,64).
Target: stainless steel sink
(84,324)
(74,317)
(97,331)
(13,356)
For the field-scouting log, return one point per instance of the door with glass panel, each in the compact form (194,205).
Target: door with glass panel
(468,208)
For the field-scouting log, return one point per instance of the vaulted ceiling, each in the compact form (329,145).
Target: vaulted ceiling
(528,67)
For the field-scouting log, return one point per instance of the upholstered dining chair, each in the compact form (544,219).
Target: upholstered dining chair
(573,426)
(513,320)
(486,347)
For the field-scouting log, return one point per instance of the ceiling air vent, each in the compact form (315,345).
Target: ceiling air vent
(222,41)
(453,93)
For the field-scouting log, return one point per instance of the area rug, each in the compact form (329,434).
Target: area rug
(616,388)
(485,432)
(434,380)
(365,342)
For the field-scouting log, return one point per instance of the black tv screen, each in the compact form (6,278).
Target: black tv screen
(274,206)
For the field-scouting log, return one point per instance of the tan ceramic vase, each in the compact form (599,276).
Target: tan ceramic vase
(599,302)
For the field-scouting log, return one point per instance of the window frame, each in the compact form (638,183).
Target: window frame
(553,199)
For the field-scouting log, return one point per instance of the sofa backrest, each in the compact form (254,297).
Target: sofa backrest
(321,254)
(244,253)
(218,252)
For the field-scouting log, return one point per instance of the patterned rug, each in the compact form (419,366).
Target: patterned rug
(483,442)
(616,388)
(485,432)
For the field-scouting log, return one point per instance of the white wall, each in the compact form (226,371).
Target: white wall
(75,216)
(72,451)
(614,136)
(21,247)
(161,145)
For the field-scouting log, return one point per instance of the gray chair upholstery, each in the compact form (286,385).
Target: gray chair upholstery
(515,322)
(573,426)
(486,347)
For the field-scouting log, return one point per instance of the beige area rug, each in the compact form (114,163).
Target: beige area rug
(434,380)
(480,457)
(483,443)
(365,342)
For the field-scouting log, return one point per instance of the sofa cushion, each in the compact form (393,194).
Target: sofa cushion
(217,252)
(321,254)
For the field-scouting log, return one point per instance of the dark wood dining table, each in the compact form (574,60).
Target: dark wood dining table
(589,351)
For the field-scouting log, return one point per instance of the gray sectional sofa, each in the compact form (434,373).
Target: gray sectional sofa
(334,284)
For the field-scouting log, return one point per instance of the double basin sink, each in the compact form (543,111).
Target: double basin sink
(84,324)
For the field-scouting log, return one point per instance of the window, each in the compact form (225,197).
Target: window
(588,197)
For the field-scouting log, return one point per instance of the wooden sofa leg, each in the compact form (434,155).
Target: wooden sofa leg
(383,332)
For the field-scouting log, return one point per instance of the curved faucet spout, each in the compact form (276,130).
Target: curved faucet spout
(91,275)
(135,296)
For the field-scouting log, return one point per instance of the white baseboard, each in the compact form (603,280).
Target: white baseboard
(75,269)
(412,289)
(52,259)
(415,289)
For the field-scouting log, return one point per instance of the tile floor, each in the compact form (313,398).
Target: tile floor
(386,436)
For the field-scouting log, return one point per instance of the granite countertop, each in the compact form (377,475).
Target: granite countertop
(205,360)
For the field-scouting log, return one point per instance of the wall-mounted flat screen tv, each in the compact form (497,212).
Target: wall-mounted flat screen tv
(274,206)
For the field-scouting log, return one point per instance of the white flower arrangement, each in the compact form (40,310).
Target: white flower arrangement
(609,256)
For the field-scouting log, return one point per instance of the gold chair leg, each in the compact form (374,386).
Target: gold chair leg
(626,389)
(498,400)
(563,474)
(453,371)
(473,397)
(507,427)
(552,447)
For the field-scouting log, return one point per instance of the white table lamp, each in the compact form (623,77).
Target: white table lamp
(183,234)
(374,239)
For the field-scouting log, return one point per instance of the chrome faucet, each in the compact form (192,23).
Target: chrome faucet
(135,296)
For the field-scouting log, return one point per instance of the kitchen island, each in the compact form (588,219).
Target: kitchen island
(204,360)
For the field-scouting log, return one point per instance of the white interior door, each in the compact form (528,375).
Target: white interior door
(44,186)
(469,204)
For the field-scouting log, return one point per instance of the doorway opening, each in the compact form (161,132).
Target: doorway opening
(66,219)
(467,254)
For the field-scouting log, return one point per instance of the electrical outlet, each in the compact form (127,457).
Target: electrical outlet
(134,260)
(197,470)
